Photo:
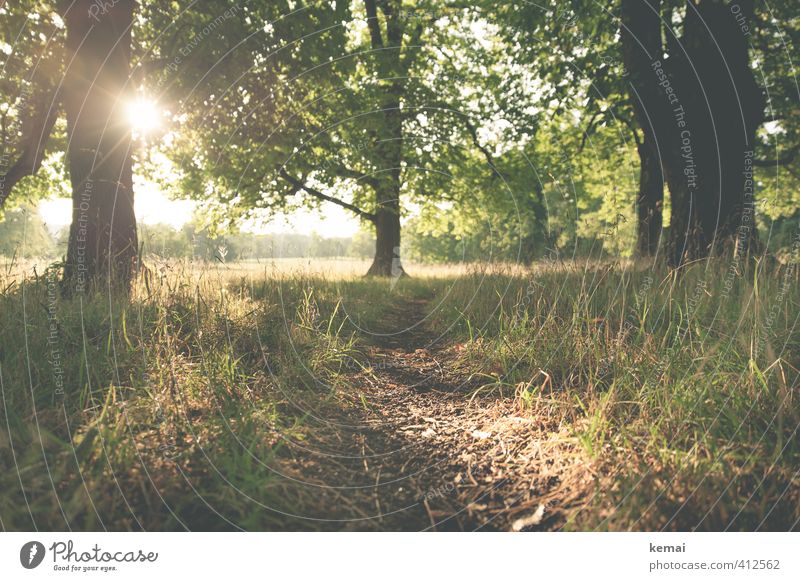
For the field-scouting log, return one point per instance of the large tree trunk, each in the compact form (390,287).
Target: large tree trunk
(387,241)
(102,242)
(701,107)
(651,199)
(389,147)
(725,107)
(387,212)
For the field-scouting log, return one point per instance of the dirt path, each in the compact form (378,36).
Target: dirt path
(403,448)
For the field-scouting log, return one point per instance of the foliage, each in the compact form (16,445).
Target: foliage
(192,242)
(650,378)
(23,233)
(184,383)
(31,37)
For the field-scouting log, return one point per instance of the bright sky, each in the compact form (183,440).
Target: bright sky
(152,207)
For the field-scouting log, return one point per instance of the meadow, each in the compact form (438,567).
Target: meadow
(566,395)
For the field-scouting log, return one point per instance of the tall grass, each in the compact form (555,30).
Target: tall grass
(681,387)
(165,411)
(171,410)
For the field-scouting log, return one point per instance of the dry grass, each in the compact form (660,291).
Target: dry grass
(617,397)
(681,389)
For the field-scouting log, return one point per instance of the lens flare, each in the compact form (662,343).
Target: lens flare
(143,115)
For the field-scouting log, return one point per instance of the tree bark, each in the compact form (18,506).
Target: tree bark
(641,47)
(387,241)
(391,70)
(387,215)
(725,108)
(650,202)
(701,107)
(103,241)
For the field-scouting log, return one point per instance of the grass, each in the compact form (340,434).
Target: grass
(172,404)
(169,411)
(681,388)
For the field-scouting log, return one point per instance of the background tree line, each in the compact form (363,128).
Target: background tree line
(24,234)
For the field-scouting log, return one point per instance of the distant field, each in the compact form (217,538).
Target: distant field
(333,268)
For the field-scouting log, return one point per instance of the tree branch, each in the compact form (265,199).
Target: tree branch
(471,129)
(394,26)
(473,132)
(629,124)
(346,172)
(317,194)
(413,48)
(589,129)
(783,160)
(373,24)
(36,131)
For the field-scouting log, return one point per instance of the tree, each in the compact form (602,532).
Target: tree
(29,83)
(325,104)
(385,76)
(775,33)
(700,106)
(392,68)
(103,241)
(23,233)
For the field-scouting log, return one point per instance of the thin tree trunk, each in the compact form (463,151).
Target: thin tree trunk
(103,241)
(651,199)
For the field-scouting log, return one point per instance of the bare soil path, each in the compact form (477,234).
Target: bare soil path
(404,447)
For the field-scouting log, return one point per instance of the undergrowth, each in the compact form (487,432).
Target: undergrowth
(681,387)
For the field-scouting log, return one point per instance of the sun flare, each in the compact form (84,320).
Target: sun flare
(143,115)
